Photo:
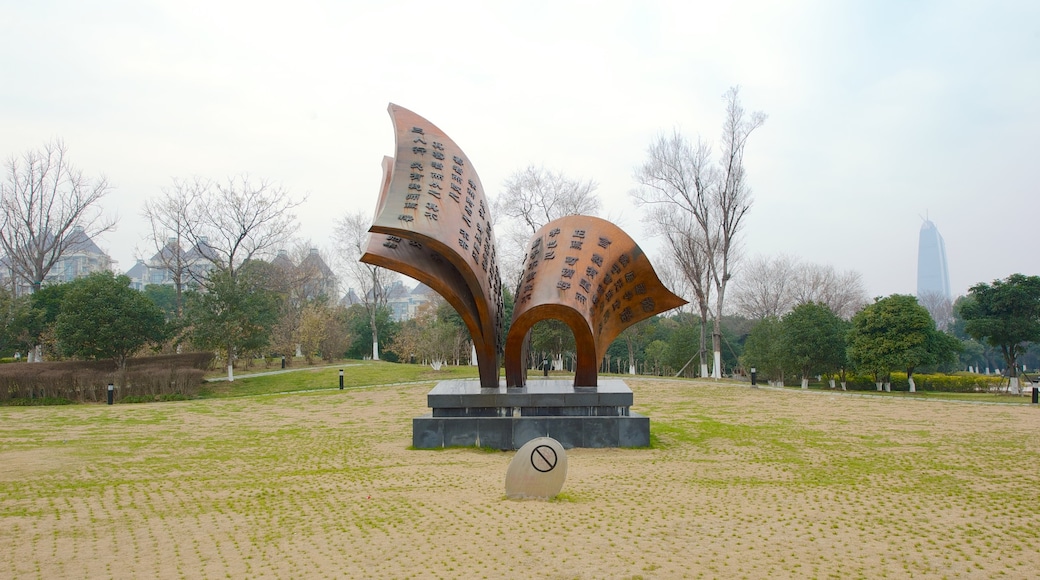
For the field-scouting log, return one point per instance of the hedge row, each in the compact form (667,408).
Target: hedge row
(957,383)
(146,378)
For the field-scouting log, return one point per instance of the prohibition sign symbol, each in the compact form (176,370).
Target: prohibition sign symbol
(543,458)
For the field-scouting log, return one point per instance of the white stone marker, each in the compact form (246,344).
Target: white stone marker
(538,470)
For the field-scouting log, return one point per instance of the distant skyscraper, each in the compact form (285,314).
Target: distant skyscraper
(933,277)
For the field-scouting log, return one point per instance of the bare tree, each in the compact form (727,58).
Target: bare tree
(774,286)
(235,221)
(44,204)
(674,183)
(169,218)
(679,177)
(530,198)
(731,202)
(351,238)
(691,254)
(939,306)
(763,288)
(536,196)
(306,284)
(230,224)
(842,292)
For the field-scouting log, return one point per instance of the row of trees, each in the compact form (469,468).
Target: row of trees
(212,238)
(242,305)
(896,333)
(101,317)
(893,333)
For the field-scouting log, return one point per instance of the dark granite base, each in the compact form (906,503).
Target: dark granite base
(430,432)
(463,414)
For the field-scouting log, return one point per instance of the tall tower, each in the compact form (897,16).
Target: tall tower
(933,277)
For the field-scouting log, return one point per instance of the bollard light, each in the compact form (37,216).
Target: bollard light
(111,392)
(754,377)
(341,379)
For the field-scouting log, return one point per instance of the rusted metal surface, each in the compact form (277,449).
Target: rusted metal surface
(588,273)
(432,223)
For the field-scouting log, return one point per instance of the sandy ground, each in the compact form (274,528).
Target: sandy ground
(741,483)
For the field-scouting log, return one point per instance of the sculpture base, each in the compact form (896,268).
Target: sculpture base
(463,414)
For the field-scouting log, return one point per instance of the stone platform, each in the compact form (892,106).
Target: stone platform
(464,414)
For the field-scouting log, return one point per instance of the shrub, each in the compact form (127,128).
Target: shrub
(146,378)
(940,383)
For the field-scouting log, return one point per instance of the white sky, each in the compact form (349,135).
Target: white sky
(879,111)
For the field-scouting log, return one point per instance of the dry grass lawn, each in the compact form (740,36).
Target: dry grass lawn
(740,483)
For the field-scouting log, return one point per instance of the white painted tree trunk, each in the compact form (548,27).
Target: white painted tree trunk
(631,369)
(473,355)
(831,383)
(805,382)
(888,387)
(375,350)
(717,371)
(704,369)
(844,386)
(558,363)
(879,384)
(230,372)
(913,386)
(1014,387)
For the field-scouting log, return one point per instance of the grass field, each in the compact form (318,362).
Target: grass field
(739,482)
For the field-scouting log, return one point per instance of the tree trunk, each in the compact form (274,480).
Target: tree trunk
(805,382)
(375,332)
(704,340)
(831,383)
(910,380)
(631,355)
(879,385)
(716,345)
(1012,367)
(888,387)
(844,385)
(716,332)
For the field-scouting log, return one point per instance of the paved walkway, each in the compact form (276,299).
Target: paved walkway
(282,371)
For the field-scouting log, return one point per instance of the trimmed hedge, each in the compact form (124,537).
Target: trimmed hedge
(940,383)
(148,378)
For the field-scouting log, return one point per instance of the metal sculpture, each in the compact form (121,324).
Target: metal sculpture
(590,274)
(434,224)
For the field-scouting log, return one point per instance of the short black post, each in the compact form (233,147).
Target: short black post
(754,377)
(545,366)
(1036,395)
(283,362)
(341,379)
(111,392)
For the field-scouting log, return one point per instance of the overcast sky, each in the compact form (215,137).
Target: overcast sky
(879,112)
